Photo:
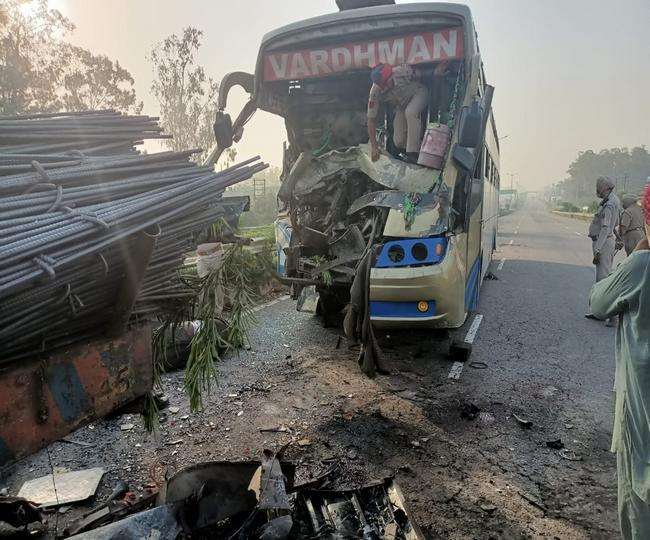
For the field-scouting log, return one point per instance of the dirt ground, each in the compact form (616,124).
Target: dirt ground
(466,466)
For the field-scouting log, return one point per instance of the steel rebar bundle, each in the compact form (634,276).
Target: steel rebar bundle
(75,197)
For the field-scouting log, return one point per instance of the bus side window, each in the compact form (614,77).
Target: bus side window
(459,202)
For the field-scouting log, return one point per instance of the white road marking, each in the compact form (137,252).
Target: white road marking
(457,367)
(271,303)
(456,370)
(579,234)
(511,242)
(500,267)
(473,330)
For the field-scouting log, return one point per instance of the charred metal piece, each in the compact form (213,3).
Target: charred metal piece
(19,512)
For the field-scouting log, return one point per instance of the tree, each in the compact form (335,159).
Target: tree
(186,96)
(41,72)
(630,169)
(31,63)
(95,82)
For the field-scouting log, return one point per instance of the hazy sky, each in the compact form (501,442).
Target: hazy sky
(570,75)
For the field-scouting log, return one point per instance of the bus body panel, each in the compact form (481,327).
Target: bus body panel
(440,283)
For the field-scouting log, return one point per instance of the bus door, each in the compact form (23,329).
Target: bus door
(474,261)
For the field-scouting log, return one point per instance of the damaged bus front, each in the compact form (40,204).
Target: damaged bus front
(407,242)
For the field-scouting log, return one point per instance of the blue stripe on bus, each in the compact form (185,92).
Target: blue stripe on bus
(381,308)
(472,287)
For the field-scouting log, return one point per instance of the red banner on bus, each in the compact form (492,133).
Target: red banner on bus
(411,49)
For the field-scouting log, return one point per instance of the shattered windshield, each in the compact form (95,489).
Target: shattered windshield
(349,181)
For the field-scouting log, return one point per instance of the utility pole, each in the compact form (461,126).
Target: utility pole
(512,176)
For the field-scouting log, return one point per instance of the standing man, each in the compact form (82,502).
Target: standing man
(631,229)
(399,86)
(601,230)
(626,293)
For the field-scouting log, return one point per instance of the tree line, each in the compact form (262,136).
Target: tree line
(41,72)
(629,168)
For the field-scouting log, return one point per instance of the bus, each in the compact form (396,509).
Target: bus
(426,234)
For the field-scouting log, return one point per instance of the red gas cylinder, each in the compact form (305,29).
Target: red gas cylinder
(434,146)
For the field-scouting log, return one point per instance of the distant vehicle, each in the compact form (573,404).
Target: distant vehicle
(432,232)
(508,200)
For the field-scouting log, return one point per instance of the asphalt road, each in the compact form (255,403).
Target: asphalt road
(467,467)
(549,364)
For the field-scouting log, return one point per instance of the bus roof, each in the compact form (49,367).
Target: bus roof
(458,11)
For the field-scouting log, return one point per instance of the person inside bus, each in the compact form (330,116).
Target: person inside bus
(626,294)
(443,83)
(401,87)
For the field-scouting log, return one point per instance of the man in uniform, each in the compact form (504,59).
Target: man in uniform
(399,86)
(626,293)
(602,229)
(631,230)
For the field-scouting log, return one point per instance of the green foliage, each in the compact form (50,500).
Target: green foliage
(41,72)
(186,96)
(234,279)
(326,276)
(630,169)
(95,82)
(569,207)
(223,303)
(593,207)
(261,231)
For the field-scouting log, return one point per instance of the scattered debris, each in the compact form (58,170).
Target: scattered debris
(556,444)
(478,365)
(77,442)
(469,411)
(486,418)
(570,455)
(491,277)
(460,351)
(127,427)
(532,500)
(62,488)
(109,512)
(19,512)
(488,508)
(279,429)
(160,523)
(254,500)
(352,453)
(523,422)
(174,442)
(174,410)
(377,510)
(304,442)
